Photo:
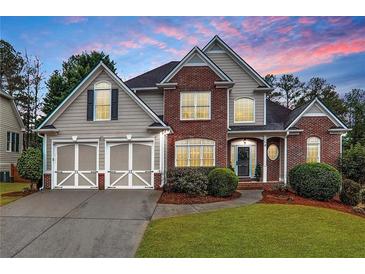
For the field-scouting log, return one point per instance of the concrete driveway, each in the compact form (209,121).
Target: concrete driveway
(76,223)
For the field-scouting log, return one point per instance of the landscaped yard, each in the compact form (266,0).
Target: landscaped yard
(10,187)
(259,230)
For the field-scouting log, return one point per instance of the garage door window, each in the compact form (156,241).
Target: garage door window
(102,101)
(195,153)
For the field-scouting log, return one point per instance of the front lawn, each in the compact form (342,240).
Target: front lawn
(259,230)
(11,187)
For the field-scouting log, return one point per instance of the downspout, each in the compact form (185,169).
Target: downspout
(43,157)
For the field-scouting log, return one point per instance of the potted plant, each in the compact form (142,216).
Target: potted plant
(258,172)
(30,166)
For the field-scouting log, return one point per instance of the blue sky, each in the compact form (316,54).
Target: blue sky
(329,47)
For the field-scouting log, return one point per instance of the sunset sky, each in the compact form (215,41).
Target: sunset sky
(329,47)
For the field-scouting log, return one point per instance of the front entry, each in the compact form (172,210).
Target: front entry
(243,161)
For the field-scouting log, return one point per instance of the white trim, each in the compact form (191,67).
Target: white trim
(145,88)
(330,114)
(314,114)
(250,144)
(121,84)
(234,110)
(201,54)
(265,109)
(195,93)
(256,131)
(285,159)
(238,60)
(263,89)
(264,174)
(228,102)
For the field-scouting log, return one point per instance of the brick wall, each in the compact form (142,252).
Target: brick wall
(157,181)
(15,177)
(273,167)
(197,79)
(47,180)
(101,181)
(318,127)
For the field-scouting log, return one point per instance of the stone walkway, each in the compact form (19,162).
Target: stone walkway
(168,210)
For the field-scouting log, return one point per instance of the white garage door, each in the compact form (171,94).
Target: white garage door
(129,165)
(75,165)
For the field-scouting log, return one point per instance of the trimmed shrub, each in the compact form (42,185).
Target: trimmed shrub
(362,196)
(190,180)
(350,192)
(315,180)
(352,163)
(258,172)
(29,165)
(222,182)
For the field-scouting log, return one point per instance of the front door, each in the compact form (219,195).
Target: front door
(243,161)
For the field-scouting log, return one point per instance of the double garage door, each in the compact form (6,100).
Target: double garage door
(127,165)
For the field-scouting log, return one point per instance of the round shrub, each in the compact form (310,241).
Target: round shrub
(315,180)
(222,182)
(29,165)
(350,192)
(190,180)
(352,163)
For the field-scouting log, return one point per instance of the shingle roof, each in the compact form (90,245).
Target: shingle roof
(296,112)
(150,78)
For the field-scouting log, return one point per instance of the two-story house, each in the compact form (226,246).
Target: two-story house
(209,109)
(11,137)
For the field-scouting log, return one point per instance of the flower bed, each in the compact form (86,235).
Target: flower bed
(271,196)
(183,198)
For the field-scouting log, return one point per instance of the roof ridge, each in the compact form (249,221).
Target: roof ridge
(152,70)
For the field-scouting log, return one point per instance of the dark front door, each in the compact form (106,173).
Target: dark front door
(243,161)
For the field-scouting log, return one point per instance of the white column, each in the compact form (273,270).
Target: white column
(264,174)
(285,159)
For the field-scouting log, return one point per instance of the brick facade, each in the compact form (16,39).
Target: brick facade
(157,181)
(101,181)
(273,166)
(197,79)
(47,180)
(15,177)
(318,127)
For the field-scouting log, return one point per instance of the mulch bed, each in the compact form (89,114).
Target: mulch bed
(183,198)
(288,197)
(16,194)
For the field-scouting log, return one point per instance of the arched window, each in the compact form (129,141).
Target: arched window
(244,110)
(313,150)
(102,101)
(194,152)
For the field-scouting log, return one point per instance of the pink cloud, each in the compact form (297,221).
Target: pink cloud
(285,30)
(74,19)
(307,20)
(260,24)
(225,26)
(130,44)
(144,39)
(170,32)
(203,30)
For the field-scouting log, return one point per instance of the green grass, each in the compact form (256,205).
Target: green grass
(10,187)
(259,230)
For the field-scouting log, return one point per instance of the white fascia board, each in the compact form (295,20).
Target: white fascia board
(257,131)
(238,58)
(201,54)
(329,113)
(145,88)
(70,95)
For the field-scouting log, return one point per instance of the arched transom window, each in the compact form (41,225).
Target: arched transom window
(194,152)
(102,101)
(244,110)
(313,150)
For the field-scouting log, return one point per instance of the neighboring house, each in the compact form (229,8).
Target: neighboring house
(11,137)
(209,109)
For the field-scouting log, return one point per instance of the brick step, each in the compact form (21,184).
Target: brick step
(256,185)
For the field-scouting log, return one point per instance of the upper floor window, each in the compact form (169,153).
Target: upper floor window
(102,101)
(195,106)
(12,142)
(195,153)
(313,150)
(244,110)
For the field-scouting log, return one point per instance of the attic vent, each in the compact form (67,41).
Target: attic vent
(196,60)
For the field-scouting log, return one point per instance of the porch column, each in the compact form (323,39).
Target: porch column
(264,173)
(285,159)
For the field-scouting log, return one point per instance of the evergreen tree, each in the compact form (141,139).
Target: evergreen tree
(319,87)
(272,81)
(290,89)
(355,103)
(74,70)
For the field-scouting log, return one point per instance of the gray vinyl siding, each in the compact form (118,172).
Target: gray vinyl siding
(8,122)
(244,86)
(315,109)
(153,99)
(132,119)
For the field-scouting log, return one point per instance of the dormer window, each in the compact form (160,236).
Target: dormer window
(244,110)
(102,101)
